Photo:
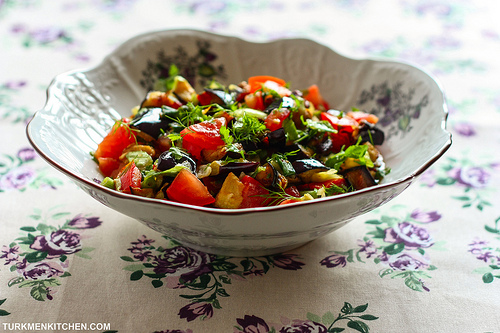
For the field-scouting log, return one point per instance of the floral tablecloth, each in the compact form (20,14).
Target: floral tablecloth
(428,261)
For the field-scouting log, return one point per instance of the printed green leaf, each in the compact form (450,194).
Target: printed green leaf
(39,292)
(136,275)
(347,308)
(328,319)
(157,283)
(223,266)
(360,308)
(65,274)
(82,255)
(368,317)
(337,329)
(28,229)
(446,181)
(59,215)
(87,249)
(222,292)
(36,256)
(462,198)
(225,279)
(394,248)
(358,326)
(133,267)
(385,272)
(495,266)
(373,222)
(126,258)
(63,257)
(314,318)
(413,283)
(488,278)
(4,313)
(492,230)
(2,301)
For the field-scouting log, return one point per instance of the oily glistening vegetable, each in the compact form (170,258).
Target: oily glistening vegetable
(253,144)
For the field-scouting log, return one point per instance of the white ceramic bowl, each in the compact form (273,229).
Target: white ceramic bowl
(82,106)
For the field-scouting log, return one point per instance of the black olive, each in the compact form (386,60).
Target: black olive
(152,121)
(167,160)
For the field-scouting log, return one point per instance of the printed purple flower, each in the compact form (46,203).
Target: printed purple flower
(406,261)
(26,154)
(10,254)
(425,217)
(485,256)
(303,326)
(14,85)
(17,179)
(465,129)
(60,242)
(82,222)
(412,236)
(143,241)
(286,261)
(42,270)
(334,260)
(47,35)
(195,310)
(183,263)
(251,324)
(477,246)
(368,247)
(428,178)
(475,177)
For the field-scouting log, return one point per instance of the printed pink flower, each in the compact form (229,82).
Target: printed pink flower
(286,261)
(412,236)
(42,270)
(251,324)
(10,254)
(475,177)
(195,310)
(17,179)
(82,222)
(334,260)
(406,261)
(60,242)
(183,263)
(425,217)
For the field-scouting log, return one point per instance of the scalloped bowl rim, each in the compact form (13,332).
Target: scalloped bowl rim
(217,211)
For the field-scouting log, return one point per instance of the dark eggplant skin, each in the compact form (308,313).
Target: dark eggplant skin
(299,152)
(359,177)
(305,165)
(153,121)
(371,133)
(221,97)
(277,139)
(167,160)
(238,167)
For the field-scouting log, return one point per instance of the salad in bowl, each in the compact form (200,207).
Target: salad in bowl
(253,144)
